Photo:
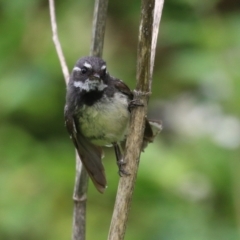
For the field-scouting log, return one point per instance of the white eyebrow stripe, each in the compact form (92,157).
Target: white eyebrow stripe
(87,65)
(103,67)
(77,69)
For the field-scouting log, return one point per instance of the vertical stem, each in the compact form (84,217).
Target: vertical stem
(80,201)
(98,30)
(81,181)
(56,41)
(149,24)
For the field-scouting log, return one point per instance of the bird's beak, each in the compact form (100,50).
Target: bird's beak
(95,76)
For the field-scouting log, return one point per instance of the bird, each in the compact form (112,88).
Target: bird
(97,114)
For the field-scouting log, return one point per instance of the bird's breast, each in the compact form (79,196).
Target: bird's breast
(106,121)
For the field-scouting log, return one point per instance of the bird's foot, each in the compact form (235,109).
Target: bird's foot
(121,171)
(135,103)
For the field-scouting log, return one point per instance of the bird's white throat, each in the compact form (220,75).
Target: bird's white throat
(90,85)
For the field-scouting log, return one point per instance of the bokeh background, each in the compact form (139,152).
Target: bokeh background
(188,186)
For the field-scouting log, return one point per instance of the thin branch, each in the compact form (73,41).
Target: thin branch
(156,21)
(98,30)
(80,201)
(150,17)
(81,179)
(57,42)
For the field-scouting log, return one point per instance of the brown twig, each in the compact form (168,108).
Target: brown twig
(80,201)
(150,17)
(98,30)
(57,42)
(81,179)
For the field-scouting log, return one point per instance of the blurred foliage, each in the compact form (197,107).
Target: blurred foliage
(188,182)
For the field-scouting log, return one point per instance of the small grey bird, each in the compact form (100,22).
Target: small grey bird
(97,114)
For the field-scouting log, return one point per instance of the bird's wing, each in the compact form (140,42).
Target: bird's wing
(122,87)
(152,127)
(89,154)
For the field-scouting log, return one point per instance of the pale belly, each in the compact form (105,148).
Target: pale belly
(106,121)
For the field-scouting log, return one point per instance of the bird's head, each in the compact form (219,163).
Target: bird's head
(89,74)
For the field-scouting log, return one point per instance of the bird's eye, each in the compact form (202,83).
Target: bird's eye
(84,70)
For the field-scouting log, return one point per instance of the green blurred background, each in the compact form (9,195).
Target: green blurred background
(188,186)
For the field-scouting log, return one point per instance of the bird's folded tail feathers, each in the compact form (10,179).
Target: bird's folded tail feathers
(152,129)
(91,157)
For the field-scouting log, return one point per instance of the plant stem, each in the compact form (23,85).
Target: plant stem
(150,17)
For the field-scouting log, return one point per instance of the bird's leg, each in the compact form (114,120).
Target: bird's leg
(120,161)
(136,102)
